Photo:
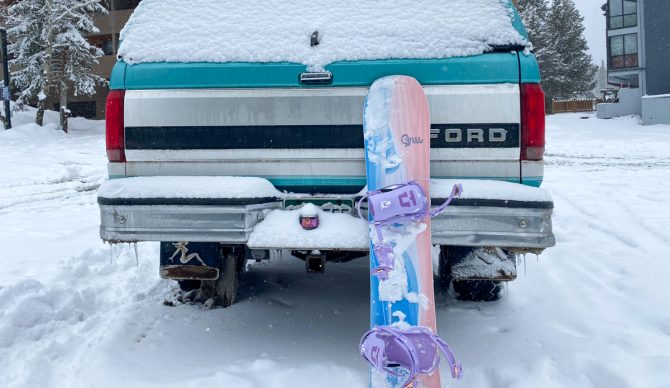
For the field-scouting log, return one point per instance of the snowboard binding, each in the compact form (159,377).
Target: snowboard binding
(406,353)
(397,204)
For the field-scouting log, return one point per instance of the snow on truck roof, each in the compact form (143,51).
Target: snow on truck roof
(281,30)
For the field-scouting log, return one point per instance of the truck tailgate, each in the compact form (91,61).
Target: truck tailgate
(236,119)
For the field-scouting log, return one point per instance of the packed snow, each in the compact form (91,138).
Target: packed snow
(483,189)
(280,31)
(591,312)
(281,229)
(189,187)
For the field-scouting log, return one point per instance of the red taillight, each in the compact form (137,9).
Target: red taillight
(114,125)
(532,122)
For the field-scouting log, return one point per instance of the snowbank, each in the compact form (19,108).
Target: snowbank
(280,31)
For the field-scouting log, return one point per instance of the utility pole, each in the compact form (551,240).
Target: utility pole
(6,94)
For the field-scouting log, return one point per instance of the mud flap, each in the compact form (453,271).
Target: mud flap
(485,264)
(189,260)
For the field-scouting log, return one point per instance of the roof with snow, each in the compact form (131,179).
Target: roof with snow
(280,30)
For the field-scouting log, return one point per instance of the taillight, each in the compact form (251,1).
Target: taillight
(114,126)
(532,122)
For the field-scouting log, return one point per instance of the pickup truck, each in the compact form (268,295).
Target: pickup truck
(216,149)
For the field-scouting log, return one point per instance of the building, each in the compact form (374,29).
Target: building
(638,51)
(107,39)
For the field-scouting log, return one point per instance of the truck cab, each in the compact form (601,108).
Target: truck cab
(218,151)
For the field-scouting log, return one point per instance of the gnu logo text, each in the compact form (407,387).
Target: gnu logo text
(409,140)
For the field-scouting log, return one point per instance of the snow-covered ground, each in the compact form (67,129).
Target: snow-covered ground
(594,311)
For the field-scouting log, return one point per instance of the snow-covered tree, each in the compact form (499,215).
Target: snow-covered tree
(534,14)
(556,31)
(566,27)
(50,51)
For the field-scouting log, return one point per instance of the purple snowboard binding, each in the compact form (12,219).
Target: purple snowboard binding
(406,353)
(397,204)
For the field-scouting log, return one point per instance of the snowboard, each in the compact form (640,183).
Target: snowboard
(397,150)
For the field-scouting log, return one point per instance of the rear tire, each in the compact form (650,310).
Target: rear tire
(189,285)
(478,290)
(466,290)
(228,284)
(444,270)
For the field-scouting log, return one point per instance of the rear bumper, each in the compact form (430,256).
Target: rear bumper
(490,226)
(520,224)
(203,223)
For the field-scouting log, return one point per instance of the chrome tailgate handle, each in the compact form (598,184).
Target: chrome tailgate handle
(316,78)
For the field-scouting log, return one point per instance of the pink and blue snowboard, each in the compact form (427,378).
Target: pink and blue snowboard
(397,144)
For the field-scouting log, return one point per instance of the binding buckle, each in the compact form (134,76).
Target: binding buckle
(406,353)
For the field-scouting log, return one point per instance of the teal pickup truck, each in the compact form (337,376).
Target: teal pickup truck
(228,119)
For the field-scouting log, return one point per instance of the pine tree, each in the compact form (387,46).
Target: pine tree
(534,14)
(575,71)
(556,31)
(50,51)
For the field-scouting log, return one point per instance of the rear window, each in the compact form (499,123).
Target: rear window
(313,32)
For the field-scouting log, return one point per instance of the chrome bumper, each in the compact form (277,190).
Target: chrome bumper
(482,226)
(524,228)
(230,224)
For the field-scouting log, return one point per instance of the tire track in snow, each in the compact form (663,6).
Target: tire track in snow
(49,194)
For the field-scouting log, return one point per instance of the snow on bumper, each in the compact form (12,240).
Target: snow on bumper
(207,209)
(508,219)
(281,229)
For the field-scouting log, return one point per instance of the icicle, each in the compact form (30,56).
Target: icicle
(111,253)
(537,257)
(137,259)
(525,269)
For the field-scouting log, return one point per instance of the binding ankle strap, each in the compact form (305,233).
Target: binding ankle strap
(404,202)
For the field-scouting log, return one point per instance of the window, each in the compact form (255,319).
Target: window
(108,47)
(622,14)
(623,51)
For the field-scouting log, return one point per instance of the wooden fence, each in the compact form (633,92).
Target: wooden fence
(561,106)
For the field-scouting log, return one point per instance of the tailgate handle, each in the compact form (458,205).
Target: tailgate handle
(316,78)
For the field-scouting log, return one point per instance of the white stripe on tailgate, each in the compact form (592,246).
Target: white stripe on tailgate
(309,154)
(453,104)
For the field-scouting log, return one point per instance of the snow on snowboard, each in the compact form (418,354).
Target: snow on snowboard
(402,346)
